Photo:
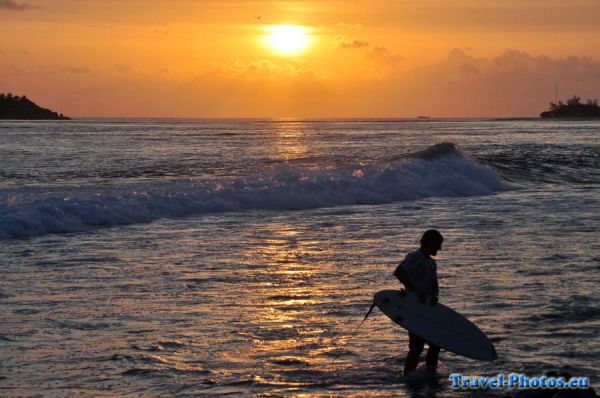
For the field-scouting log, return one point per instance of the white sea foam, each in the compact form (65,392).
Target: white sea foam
(26,212)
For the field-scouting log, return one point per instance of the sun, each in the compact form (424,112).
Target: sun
(287,40)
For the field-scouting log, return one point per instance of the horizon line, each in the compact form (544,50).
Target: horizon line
(307,119)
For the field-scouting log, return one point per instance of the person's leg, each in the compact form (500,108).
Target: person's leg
(415,348)
(431,359)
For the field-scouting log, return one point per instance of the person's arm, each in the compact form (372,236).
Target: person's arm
(404,278)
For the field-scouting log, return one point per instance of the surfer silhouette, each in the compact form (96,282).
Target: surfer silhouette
(418,273)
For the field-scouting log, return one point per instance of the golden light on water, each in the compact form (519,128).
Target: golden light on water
(290,142)
(287,40)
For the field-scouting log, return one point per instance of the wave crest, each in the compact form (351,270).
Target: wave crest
(438,171)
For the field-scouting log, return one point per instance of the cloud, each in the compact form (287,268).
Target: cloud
(14,5)
(122,68)
(15,51)
(343,25)
(383,57)
(161,32)
(346,42)
(75,69)
(17,71)
(263,69)
(514,68)
(513,83)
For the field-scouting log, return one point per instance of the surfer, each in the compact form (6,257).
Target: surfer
(418,273)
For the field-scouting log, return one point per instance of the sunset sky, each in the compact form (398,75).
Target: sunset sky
(327,58)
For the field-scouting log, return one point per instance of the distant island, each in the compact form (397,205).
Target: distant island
(573,108)
(15,107)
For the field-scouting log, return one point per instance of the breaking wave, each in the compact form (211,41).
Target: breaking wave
(439,171)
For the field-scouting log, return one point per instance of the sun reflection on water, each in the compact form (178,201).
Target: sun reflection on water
(280,335)
(291,141)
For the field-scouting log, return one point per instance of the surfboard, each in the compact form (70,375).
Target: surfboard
(439,324)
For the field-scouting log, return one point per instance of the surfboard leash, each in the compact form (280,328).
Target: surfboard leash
(354,333)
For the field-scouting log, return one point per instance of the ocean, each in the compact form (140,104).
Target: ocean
(155,257)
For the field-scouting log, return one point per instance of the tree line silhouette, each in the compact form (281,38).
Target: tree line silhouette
(573,108)
(15,107)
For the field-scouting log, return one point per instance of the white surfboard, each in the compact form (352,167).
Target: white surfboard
(437,324)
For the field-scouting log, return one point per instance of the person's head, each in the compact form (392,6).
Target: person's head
(431,242)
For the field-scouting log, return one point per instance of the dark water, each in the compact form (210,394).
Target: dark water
(188,258)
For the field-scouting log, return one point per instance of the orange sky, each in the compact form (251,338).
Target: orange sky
(370,58)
